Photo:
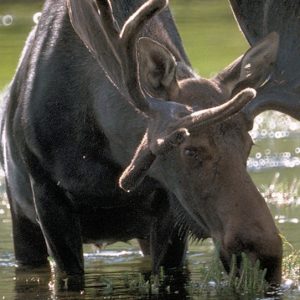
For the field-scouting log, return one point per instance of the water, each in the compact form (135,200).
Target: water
(212,41)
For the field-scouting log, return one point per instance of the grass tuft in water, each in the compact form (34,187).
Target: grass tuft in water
(290,265)
(246,280)
(249,280)
(107,286)
(282,193)
(138,284)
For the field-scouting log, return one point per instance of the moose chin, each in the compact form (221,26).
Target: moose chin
(108,134)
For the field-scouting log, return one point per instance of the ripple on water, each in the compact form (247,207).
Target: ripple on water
(277,144)
(7,260)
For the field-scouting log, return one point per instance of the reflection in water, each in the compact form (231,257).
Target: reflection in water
(284,219)
(137,284)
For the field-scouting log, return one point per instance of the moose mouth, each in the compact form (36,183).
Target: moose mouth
(237,264)
(237,248)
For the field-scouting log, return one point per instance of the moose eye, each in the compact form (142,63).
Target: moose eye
(190,152)
(193,158)
(197,155)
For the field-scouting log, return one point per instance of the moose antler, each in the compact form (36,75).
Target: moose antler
(148,150)
(256,19)
(168,122)
(120,46)
(124,44)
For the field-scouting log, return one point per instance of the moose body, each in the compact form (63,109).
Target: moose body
(69,131)
(80,139)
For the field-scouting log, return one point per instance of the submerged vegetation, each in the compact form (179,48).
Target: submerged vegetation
(209,279)
(281,193)
(212,279)
(250,280)
(291,266)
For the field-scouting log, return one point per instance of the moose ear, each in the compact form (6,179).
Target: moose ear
(252,69)
(157,68)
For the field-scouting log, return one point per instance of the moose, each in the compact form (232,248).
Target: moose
(108,134)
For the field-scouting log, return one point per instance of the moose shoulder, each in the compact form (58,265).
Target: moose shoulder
(106,86)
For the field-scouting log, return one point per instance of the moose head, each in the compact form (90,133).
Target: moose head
(196,143)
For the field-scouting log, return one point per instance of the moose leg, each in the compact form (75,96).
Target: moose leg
(175,251)
(60,226)
(167,245)
(29,243)
(168,249)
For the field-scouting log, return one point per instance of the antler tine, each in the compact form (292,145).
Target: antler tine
(256,19)
(133,25)
(218,113)
(202,118)
(124,45)
(107,19)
